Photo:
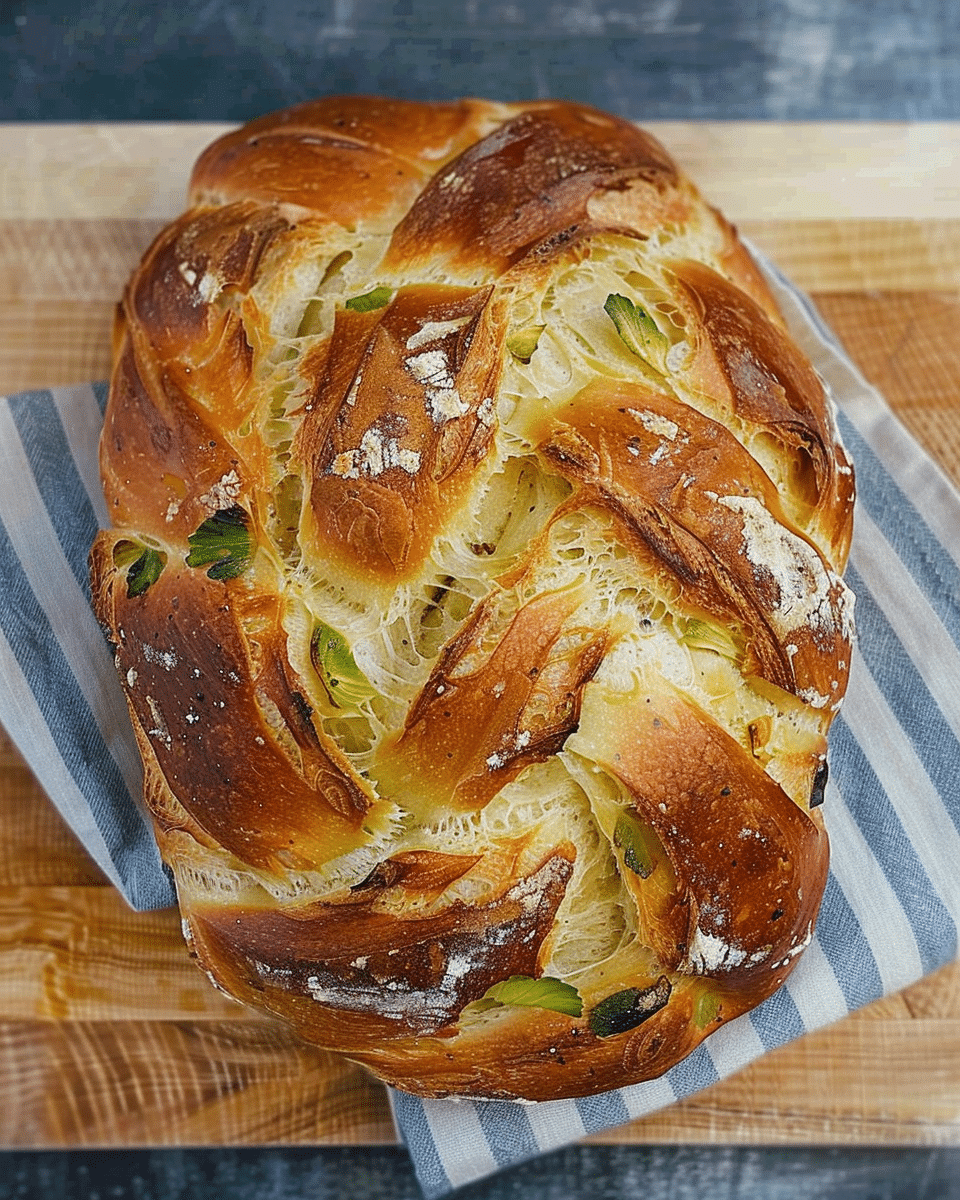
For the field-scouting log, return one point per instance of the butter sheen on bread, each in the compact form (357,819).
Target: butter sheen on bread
(474,581)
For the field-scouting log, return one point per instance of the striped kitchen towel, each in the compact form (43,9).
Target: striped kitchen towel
(892,902)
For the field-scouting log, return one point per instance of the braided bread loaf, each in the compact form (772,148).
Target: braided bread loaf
(474,583)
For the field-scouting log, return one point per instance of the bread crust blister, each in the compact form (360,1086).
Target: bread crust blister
(474,579)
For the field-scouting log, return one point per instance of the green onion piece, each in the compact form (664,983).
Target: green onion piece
(379,297)
(629,1008)
(702,635)
(343,681)
(312,320)
(638,330)
(523,343)
(144,571)
(633,838)
(525,992)
(706,1010)
(223,540)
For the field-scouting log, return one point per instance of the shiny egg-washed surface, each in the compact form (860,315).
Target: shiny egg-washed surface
(475,584)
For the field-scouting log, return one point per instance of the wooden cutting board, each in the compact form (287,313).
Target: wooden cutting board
(109,1036)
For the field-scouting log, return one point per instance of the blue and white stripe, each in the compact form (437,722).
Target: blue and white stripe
(892,905)
(60,700)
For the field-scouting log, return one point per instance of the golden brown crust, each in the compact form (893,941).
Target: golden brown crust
(355,518)
(399,976)
(347,158)
(474,582)
(747,362)
(202,694)
(528,187)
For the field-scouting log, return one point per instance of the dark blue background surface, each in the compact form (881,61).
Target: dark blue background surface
(577,1173)
(677,59)
(219,59)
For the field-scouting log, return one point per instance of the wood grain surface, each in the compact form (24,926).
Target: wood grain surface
(109,1036)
